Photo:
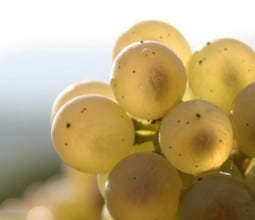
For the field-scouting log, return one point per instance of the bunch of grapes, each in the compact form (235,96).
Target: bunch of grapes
(172,135)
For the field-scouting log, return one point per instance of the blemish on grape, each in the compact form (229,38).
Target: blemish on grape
(198,115)
(68,125)
(83,110)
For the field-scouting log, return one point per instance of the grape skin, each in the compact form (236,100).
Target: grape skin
(80,88)
(148,79)
(196,136)
(217,196)
(91,133)
(220,70)
(157,31)
(243,119)
(143,186)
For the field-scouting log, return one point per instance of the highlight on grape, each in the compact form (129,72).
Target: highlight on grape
(170,136)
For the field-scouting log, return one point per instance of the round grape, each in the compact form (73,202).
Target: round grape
(143,186)
(91,133)
(148,79)
(196,136)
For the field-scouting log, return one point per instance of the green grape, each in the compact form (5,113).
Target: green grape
(220,70)
(250,179)
(148,79)
(157,31)
(143,185)
(80,88)
(196,136)
(243,119)
(91,133)
(217,196)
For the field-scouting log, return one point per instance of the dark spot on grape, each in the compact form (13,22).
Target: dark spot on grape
(220,140)
(203,142)
(187,122)
(179,154)
(83,110)
(133,71)
(134,178)
(178,121)
(153,52)
(196,166)
(208,43)
(170,147)
(68,125)
(200,61)
(158,81)
(199,178)
(225,48)
(198,115)
(141,41)
(160,37)
(153,122)
(247,124)
(66,144)
(122,96)
(211,90)
(122,116)
(119,67)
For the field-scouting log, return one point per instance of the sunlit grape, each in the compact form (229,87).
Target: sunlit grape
(157,31)
(148,79)
(217,197)
(91,133)
(243,119)
(196,136)
(143,186)
(220,70)
(80,88)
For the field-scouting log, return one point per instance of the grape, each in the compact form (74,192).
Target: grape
(243,119)
(91,133)
(148,79)
(220,70)
(156,31)
(217,196)
(196,136)
(80,88)
(143,185)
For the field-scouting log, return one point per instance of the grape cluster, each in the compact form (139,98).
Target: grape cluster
(172,135)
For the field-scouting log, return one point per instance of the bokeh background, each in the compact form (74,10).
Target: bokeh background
(47,44)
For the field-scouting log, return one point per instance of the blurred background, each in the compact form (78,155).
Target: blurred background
(46,45)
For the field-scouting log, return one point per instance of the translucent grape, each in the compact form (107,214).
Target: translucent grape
(157,31)
(91,133)
(220,70)
(148,79)
(243,119)
(217,197)
(143,185)
(80,88)
(196,136)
